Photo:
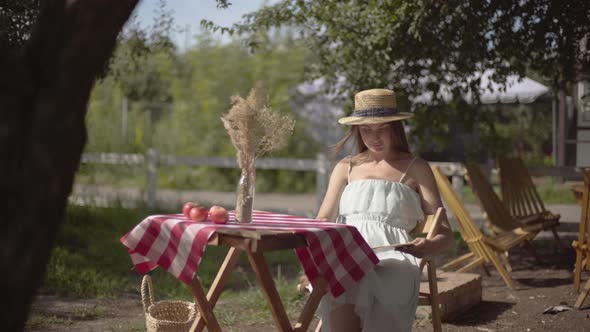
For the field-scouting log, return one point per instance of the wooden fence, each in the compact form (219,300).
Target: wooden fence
(321,165)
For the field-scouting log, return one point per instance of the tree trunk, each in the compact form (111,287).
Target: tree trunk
(44,90)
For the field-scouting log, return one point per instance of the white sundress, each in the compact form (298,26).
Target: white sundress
(384,212)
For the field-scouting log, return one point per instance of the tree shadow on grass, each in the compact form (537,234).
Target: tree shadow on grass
(483,313)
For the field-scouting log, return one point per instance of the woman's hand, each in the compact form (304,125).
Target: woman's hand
(419,247)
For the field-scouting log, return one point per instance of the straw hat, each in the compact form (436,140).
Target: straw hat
(374,106)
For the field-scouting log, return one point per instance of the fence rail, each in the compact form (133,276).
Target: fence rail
(321,165)
(113,158)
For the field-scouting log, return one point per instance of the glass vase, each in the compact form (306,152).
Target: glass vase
(245,194)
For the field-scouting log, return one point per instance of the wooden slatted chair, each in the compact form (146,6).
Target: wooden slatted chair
(582,245)
(431,298)
(498,219)
(483,249)
(520,196)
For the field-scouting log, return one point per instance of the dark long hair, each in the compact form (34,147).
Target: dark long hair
(398,138)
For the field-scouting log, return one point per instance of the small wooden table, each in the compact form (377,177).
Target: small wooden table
(254,244)
(334,257)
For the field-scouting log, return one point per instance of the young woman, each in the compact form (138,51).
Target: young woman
(384,191)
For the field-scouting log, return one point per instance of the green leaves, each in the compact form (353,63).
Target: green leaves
(415,47)
(143,61)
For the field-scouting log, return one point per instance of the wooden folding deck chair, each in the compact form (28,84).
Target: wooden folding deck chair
(483,248)
(582,245)
(498,219)
(520,196)
(430,228)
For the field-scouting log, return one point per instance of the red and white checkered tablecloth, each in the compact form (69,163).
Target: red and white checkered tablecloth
(175,243)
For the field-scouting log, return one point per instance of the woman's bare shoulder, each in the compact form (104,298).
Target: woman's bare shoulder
(345,161)
(418,161)
(420,169)
(341,167)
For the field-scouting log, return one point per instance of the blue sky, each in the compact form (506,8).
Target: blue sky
(189,13)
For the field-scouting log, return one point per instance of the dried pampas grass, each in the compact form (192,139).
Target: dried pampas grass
(254,128)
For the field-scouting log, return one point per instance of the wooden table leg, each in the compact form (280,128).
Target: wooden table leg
(231,259)
(319,289)
(270,291)
(203,306)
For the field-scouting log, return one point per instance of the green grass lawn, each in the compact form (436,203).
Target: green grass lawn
(550,189)
(90,261)
(191,178)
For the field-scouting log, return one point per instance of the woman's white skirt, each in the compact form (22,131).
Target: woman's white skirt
(385,299)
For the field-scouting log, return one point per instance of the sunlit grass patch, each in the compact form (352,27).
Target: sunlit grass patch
(40,320)
(249,306)
(88,312)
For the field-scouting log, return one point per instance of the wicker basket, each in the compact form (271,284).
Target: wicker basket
(165,316)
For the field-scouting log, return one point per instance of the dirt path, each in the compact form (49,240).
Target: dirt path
(539,287)
(51,313)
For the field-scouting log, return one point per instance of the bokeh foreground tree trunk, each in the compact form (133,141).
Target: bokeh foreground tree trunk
(44,90)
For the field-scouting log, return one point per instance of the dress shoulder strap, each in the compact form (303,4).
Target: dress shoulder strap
(407,169)
(349,167)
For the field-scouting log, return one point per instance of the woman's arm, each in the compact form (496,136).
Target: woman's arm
(431,201)
(338,181)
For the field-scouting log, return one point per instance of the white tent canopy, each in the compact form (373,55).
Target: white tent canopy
(517,90)
(320,111)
